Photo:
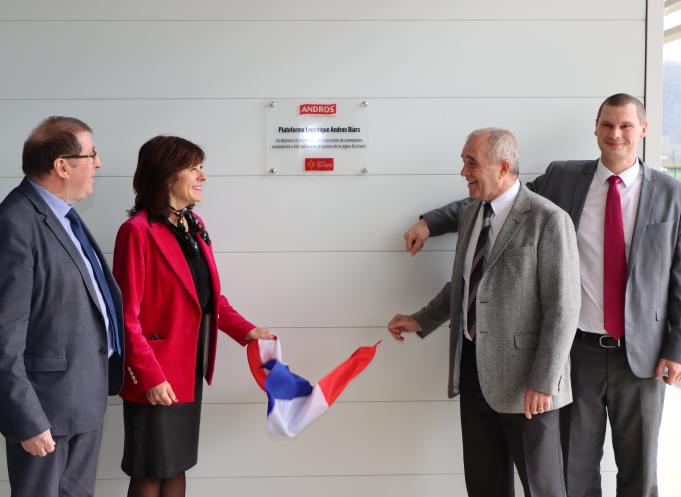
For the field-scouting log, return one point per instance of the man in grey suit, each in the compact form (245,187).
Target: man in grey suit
(628,344)
(60,319)
(513,303)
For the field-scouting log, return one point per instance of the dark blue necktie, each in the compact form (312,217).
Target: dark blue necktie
(77,228)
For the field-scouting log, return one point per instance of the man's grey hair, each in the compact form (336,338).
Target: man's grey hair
(501,145)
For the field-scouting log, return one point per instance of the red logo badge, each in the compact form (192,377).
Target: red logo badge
(325,164)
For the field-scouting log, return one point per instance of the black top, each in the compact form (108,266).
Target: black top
(196,262)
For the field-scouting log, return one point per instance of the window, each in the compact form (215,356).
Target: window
(671,92)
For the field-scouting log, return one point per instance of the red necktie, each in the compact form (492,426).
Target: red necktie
(614,262)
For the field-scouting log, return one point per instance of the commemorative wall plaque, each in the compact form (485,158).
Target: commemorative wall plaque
(317,136)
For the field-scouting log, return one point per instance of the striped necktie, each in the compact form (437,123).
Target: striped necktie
(478,267)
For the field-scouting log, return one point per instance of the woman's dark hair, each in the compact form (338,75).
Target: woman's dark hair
(160,159)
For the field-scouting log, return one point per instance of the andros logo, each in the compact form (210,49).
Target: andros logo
(324,109)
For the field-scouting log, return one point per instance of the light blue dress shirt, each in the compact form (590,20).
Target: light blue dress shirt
(60,209)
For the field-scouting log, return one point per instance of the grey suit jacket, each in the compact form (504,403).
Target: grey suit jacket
(53,349)
(652,320)
(527,305)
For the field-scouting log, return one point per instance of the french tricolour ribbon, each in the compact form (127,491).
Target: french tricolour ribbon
(292,402)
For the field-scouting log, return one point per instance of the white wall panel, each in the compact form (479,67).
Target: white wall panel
(274,214)
(311,9)
(352,289)
(413,370)
(230,131)
(330,486)
(393,438)
(330,289)
(365,59)
(408,136)
(288,213)
(281,214)
(319,257)
(307,486)
(670,434)
(409,438)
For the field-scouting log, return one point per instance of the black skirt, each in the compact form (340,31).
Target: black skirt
(161,441)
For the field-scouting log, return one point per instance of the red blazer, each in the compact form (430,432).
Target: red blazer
(160,301)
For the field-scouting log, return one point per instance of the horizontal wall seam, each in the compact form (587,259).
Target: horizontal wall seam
(300,175)
(284,252)
(372,475)
(346,20)
(337,402)
(272,97)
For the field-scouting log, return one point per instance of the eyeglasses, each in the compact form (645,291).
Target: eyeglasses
(93,156)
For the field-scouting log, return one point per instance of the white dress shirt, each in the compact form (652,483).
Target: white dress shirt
(590,238)
(501,207)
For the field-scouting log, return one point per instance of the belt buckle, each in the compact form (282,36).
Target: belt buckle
(605,346)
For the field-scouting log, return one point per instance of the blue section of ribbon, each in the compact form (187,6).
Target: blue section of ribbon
(282,384)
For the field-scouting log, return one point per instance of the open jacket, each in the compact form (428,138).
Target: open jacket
(527,305)
(161,310)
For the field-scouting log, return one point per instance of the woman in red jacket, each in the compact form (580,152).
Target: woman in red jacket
(172,309)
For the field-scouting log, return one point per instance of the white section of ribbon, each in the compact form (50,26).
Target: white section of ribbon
(289,417)
(270,349)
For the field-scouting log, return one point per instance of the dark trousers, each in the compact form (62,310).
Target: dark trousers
(493,442)
(69,471)
(603,387)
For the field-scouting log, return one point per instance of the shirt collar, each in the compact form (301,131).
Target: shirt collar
(506,198)
(627,176)
(58,206)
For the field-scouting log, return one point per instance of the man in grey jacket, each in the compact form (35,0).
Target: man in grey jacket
(628,345)
(513,303)
(61,325)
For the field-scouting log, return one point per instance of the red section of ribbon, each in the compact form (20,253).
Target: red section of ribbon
(333,384)
(255,363)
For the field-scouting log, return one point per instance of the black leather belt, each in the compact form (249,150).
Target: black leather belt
(603,341)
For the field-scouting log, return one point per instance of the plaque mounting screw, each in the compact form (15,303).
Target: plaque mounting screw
(364,170)
(273,103)
(365,103)
(273,170)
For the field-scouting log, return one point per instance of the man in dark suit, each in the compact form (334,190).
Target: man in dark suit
(628,344)
(60,319)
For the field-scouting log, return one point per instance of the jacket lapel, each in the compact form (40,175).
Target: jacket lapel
(581,189)
(57,229)
(515,219)
(172,253)
(468,217)
(645,203)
